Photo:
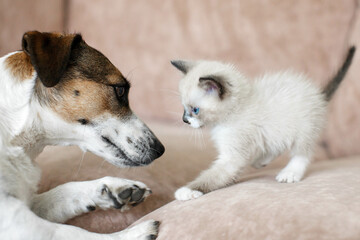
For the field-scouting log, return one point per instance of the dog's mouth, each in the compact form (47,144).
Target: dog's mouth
(144,154)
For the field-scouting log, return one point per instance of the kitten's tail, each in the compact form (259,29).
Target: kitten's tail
(331,87)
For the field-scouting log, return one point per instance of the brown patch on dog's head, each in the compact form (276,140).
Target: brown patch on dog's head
(79,100)
(87,84)
(20,66)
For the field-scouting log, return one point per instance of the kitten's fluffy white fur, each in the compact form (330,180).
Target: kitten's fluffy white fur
(252,122)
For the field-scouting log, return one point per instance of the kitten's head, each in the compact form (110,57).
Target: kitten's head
(209,91)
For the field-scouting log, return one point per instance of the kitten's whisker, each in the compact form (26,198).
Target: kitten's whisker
(177,123)
(176,93)
(202,139)
(191,135)
(174,113)
(197,141)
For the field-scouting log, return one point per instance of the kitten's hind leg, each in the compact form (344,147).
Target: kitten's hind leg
(294,170)
(301,153)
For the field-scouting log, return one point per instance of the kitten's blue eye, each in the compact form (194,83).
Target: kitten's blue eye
(196,110)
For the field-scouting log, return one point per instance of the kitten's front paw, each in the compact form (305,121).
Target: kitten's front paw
(143,231)
(287,176)
(185,193)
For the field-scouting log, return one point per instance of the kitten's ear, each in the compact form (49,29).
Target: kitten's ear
(213,85)
(182,65)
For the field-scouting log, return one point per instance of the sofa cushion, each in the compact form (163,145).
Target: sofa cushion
(325,205)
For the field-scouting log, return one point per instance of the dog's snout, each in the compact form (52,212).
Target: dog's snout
(156,150)
(185,118)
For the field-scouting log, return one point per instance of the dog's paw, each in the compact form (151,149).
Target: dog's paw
(144,231)
(121,193)
(287,176)
(185,193)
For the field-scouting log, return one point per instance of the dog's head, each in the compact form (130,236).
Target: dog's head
(83,100)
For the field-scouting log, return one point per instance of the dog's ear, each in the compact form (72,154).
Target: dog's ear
(182,65)
(49,54)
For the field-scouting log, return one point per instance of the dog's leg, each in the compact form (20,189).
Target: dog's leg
(75,198)
(18,223)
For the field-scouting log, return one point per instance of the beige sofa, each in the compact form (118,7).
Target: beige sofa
(140,37)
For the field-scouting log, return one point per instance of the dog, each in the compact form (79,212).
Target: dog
(60,91)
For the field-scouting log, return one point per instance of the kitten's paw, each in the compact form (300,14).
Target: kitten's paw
(185,193)
(287,176)
(143,231)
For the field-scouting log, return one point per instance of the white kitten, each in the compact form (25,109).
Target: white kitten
(253,122)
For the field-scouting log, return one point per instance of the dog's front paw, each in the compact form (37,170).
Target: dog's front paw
(121,193)
(143,231)
(185,193)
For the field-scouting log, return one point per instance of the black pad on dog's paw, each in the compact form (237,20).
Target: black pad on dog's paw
(152,237)
(91,208)
(125,194)
(137,195)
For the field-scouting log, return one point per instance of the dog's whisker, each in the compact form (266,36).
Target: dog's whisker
(129,74)
(81,162)
(155,150)
(102,164)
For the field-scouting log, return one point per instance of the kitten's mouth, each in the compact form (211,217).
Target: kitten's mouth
(195,123)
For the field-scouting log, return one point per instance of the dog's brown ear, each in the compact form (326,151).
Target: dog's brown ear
(49,54)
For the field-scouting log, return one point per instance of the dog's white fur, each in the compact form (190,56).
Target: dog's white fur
(26,127)
(255,122)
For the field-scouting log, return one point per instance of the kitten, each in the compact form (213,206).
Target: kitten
(253,122)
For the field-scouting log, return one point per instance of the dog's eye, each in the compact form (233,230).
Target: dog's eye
(120,91)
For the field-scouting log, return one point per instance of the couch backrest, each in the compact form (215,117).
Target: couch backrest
(141,37)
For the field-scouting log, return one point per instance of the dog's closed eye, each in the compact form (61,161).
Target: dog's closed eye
(83,121)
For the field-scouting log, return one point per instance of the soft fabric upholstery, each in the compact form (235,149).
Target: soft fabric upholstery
(325,205)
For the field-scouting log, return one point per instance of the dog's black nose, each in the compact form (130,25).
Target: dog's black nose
(185,118)
(156,150)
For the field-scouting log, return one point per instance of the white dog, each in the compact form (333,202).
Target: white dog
(60,91)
